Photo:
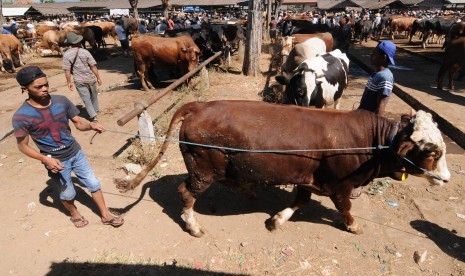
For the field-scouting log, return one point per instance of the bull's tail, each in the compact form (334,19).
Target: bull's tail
(179,116)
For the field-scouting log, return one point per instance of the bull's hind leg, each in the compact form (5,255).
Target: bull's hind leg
(189,191)
(343,205)
(301,199)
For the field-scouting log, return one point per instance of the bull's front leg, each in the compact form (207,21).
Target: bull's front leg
(301,199)
(343,205)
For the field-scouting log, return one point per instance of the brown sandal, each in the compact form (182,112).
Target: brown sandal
(115,222)
(79,222)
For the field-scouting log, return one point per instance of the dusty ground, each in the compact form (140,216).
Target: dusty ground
(39,239)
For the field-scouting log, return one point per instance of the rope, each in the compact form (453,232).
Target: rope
(272,151)
(246,150)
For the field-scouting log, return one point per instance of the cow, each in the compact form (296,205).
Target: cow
(163,52)
(301,51)
(363,30)
(438,27)
(42,29)
(417,26)
(11,50)
(98,34)
(53,40)
(454,59)
(401,24)
(223,141)
(131,25)
(87,36)
(318,81)
(456,30)
(108,28)
(326,37)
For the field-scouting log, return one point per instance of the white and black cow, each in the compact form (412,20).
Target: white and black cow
(317,81)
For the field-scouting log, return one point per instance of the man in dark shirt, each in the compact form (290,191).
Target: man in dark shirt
(273,29)
(45,118)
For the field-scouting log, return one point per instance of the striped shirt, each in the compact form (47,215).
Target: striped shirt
(81,69)
(379,84)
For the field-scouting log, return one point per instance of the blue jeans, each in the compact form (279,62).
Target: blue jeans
(89,95)
(82,169)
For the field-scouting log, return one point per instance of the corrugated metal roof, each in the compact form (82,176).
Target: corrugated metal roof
(299,2)
(370,4)
(49,9)
(328,4)
(410,2)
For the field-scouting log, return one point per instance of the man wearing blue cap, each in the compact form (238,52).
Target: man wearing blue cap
(379,86)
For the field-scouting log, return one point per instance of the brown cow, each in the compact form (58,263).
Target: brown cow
(454,58)
(162,52)
(326,37)
(13,58)
(42,29)
(53,40)
(227,128)
(401,24)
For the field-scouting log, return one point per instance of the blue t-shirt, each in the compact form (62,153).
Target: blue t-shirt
(48,127)
(380,83)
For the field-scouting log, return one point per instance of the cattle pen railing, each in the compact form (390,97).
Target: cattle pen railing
(140,106)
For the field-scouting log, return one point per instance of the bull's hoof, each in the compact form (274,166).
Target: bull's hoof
(271,224)
(197,233)
(354,229)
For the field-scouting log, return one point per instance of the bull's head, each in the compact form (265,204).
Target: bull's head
(301,86)
(420,142)
(192,56)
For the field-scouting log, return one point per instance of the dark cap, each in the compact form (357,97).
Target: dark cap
(29,74)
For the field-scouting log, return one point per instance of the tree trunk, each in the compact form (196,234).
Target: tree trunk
(166,4)
(253,45)
(276,9)
(268,20)
(133,4)
(1,16)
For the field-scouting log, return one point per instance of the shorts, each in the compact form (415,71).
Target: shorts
(82,169)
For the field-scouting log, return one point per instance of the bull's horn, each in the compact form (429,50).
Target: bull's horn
(416,136)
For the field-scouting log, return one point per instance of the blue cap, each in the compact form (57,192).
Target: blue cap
(389,48)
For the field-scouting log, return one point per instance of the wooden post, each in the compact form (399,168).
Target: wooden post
(204,78)
(253,46)
(268,20)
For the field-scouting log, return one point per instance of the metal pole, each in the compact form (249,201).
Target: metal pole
(136,111)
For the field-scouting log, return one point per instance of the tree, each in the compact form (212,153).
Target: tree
(253,45)
(166,4)
(1,16)
(133,4)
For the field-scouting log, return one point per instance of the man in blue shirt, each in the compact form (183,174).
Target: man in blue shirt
(379,86)
(45,118)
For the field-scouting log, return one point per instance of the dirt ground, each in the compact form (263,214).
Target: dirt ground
(398,218)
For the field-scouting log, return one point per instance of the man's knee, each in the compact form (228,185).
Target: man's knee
(93,184)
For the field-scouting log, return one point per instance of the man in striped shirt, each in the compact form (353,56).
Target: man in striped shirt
(379,86)
(79,63)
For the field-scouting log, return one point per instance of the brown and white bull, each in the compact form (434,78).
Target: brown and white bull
(217,131)
(162,52)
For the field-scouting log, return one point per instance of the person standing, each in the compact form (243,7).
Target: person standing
(123,38)
(45,118)
(170,23)
(379,86)
(80,64)
(273,29)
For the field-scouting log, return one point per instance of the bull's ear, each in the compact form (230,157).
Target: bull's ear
(416,136)
(282,80)
(404,148)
